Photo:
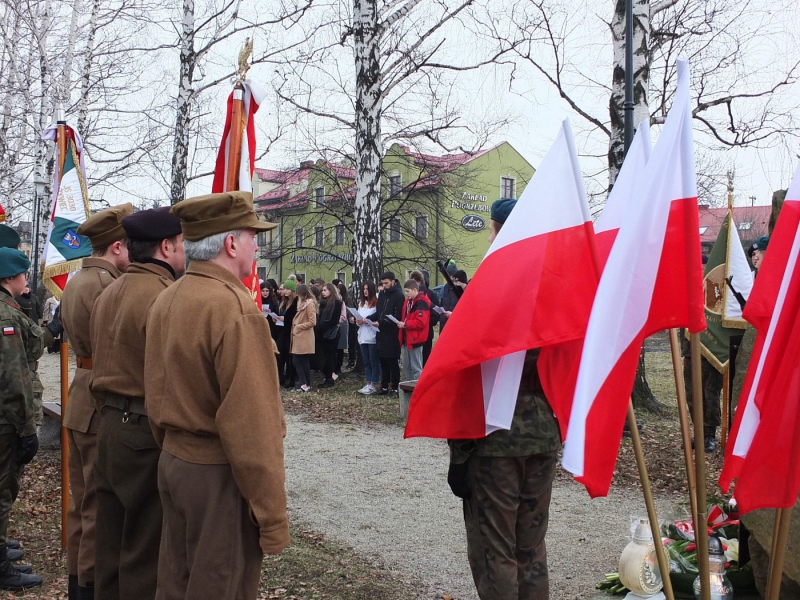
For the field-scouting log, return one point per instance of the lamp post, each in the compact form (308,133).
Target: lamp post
(39,187)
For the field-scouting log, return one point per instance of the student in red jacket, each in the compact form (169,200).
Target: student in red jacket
(414,328)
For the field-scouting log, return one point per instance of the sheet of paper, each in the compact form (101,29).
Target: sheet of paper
(392,319)
(439,309)
(354,313)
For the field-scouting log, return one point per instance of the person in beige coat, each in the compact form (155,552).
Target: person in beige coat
(212,398)
(303,342)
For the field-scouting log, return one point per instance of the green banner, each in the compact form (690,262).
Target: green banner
(715,339)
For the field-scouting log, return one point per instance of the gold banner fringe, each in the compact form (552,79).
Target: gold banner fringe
(64,268)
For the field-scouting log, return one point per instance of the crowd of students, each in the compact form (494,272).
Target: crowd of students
(377,325)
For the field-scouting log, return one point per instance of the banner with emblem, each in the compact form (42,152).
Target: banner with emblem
(65,250)
(723,312)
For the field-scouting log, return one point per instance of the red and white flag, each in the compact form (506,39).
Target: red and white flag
(652,280)
(254,95)
(559,363)
(763,452)
(530,290)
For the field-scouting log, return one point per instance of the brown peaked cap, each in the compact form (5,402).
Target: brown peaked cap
(105,227)
(207,215)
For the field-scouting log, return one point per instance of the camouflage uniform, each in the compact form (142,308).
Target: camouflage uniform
(712,386)
(510,476)
(22,344)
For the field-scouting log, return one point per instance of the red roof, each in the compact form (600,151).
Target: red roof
(446,162)
(752,222)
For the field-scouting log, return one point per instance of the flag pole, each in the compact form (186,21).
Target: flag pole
(652,516)
(780,535)
(235,138)
(701,525)
(61,144)
(726,394)
(680,391)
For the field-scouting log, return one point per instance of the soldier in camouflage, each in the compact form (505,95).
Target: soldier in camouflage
(23,343)
(506,481)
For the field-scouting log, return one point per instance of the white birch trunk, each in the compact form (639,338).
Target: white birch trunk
(83,100)
(367,240)
(641,78)
(66,77)
(43,166)
(188,57)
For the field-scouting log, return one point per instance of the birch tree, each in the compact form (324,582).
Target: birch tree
(403,86)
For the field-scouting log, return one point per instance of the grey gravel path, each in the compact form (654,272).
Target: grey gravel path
(387,498)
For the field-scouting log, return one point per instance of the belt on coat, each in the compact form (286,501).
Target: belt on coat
(84,363)
(127,404)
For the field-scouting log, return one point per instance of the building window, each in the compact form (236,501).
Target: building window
(394,230)
(262,239)
(421,230)
(319,236)
(342,275)
(703,230)
(262,273)
(507,187)
(395,185)
(339,229)
(298,238)
(319,196)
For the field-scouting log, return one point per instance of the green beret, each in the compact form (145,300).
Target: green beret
(290,284)
(8,237)
(762,242)
(13,262)
(208,215)
(502,208)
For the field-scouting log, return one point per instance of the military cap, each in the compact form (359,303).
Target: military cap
(105,227)
(207,215)
(8,237)
(502,208)
(752,249)
(152,225)
(762,242)
(13,262)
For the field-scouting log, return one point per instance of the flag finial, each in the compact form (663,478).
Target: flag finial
(244,58)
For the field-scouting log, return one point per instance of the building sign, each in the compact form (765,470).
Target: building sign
(319,257)
(473,223)
(471,202)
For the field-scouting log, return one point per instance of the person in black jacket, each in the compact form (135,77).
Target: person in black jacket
(286,311)
(390,302)
(327,330)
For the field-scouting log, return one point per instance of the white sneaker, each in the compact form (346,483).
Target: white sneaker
(371,389)
(365,389)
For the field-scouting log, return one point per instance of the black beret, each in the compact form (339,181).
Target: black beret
(152,225)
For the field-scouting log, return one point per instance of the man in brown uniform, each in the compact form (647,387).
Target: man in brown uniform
(211,392)
(108,261)
(126,471)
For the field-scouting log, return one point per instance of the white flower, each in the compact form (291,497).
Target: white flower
(732,553)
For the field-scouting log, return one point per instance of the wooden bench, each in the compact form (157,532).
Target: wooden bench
(406,389)
(52,410)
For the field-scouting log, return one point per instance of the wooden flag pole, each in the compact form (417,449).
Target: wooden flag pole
(649,502)
(680,392)
(701,524)
(726,395)
(235,139)
(780,535)
(61,142)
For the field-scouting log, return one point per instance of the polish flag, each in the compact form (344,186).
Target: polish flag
(254,95)
(559,363)
(531,289)
(652,280)
(764,448)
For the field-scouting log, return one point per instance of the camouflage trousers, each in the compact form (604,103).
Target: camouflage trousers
(506,520)
(10,475)
(712,390)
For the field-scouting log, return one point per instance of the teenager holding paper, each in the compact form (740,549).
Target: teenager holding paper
(367,337)
(414,327)
(390,304)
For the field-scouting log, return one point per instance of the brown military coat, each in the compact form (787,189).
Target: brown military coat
(77,302)
(303,328)
(211,387)
(117,330)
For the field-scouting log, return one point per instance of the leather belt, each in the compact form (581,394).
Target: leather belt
(84,363)
(127,404)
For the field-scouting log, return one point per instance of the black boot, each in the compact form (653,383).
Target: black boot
(14,554)
(24,569)
(72,591)
(12,544)
(11,578)
(86,592)
(710,433)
